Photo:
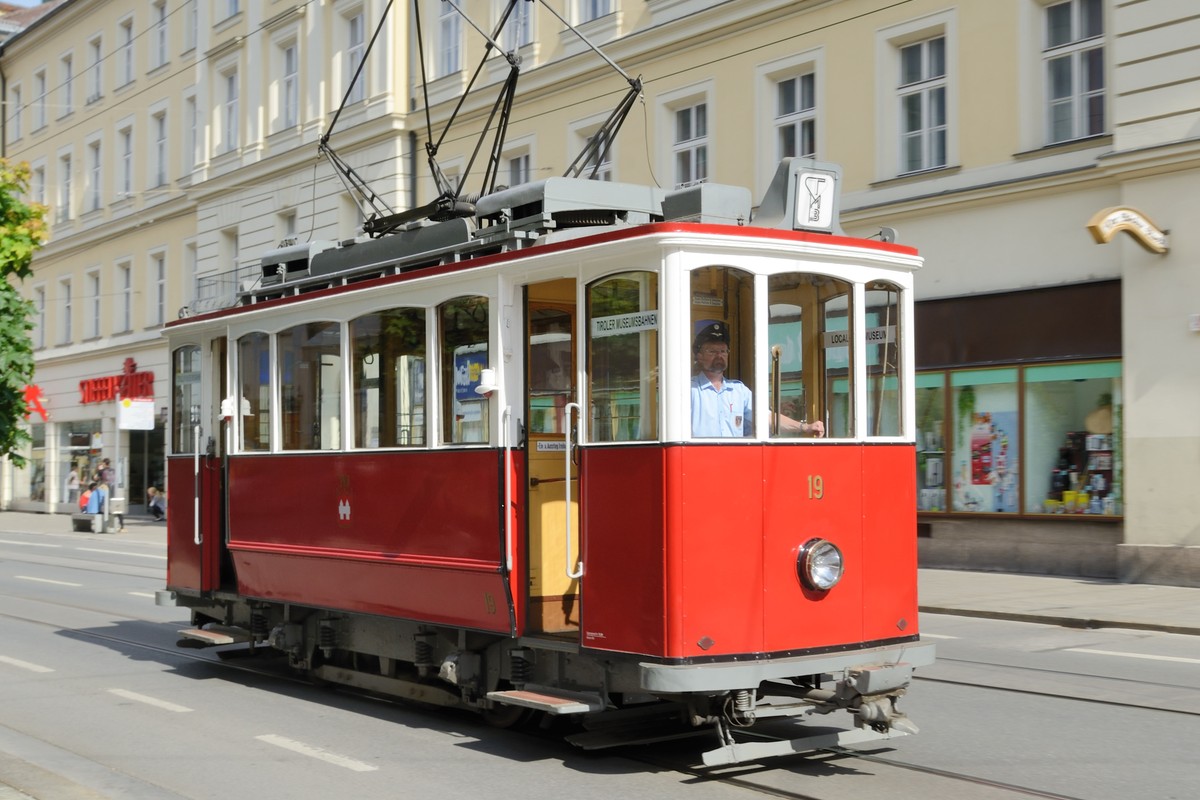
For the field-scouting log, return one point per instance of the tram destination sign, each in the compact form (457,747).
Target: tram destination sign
(618,324)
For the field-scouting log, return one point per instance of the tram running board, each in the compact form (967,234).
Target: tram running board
(552,701)
(213,635)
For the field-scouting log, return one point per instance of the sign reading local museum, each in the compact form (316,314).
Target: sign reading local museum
(129,383)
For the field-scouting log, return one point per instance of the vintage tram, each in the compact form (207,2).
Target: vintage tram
(457,464)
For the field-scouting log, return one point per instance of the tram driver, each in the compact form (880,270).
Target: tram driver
(723,406)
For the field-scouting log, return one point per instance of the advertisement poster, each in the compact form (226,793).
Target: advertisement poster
(990,481)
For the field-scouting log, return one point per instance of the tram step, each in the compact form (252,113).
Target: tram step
(213,635)
(552,701)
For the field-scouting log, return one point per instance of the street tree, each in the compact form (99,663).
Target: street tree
(22,232)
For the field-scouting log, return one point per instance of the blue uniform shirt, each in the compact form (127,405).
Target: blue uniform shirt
(727,412)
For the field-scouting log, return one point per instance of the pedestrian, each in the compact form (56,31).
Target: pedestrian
(73,484)
(97,506)
(157,504)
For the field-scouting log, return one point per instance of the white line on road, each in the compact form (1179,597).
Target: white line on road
(1177,659)
(120,553)
(925,635)
(143,594)
(16,662)
(29,544)
(150,701)
(46,580)
(315,752)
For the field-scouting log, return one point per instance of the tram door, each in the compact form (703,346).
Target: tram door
(553,487)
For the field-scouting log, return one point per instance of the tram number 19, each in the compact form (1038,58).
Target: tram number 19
(816,487)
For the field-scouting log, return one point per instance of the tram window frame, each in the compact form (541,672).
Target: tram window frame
(621,306)
(254,396)
(401,363)
(185,397)
(827,396)
(884,347)
(310,420)
(721,303)
(464,351)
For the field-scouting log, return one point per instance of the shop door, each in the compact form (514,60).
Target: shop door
(552,418)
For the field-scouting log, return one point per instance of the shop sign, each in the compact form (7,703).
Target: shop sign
(33,402)
(1108,222)
(130,383)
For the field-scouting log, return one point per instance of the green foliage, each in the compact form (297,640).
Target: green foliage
(22,232)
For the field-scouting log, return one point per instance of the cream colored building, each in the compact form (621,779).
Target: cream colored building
(987,134)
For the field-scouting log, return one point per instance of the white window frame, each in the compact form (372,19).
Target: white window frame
(14,94)
(191,24)
(191,132)
(356,48)
(671,148)
(125,163)
(589,10)
(929,84)
(768,78)
(65,311)
(92,277)
(66,68)
(519,29)
(156,279)
(191,266)
(449,41)
(95,167)
(289,85)
(37,181)
(158,48)
(159,130)
(95,87)
(888,42)
(123,318)
(1075,52)
(39,84)
(63,205)
(125,28)
(38,334)
(581,133)
(231,91)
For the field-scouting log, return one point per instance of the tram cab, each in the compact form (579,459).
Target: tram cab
(485,453)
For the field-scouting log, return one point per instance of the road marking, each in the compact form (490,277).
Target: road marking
(143,594)
(1176,659)
(150,701)
(315,752)
(925,635)
(46,580)
(120,553)
(29,544)
(16,662)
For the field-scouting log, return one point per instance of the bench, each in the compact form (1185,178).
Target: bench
(85,523)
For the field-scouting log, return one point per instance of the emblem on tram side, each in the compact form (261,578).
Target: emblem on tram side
(343,500)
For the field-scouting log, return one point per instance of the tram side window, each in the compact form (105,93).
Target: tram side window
(463,334)
(254,385)
(623,358)
(810,325)
(884,392)
(388,378)
(310,386)
(185,398)
(722,336)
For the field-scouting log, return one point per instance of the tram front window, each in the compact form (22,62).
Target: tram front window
(623,358)
(722,319)
(884,393)
(810,334)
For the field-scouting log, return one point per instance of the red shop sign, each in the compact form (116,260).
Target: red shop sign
(130,383)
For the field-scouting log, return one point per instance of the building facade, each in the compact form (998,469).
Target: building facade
(1053,360)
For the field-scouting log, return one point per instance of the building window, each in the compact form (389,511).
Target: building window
(289,89)
(449,40)
(39,317)
(65,311)
(95,170)
(67,74)
(518,30)
(125,179)
(356,49)
(15,129)
(922,94)
(599,163)
(124,320)
(159,124)
(1057,451)
(1074,58)
(518,169)
(64,189)
(232,8)
(93,304)
(191,133)
(690,148)
(190,25)
(159,45)
(39,111)
(593,9)
(126,57)
(158,289)
(229,119)
(795,117)
(37,185)
(95,87)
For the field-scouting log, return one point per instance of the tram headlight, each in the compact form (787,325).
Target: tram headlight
(819,564)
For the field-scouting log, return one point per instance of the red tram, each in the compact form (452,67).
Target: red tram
(458,464)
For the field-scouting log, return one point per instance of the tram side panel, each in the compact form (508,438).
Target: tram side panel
(416,535)
(890,536)
(193,566)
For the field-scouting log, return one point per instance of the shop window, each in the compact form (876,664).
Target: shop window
(185,398)
(388,379)
(1073,458)
(885,410)
(931,442)
(254,383)
(722,336)
(986,439)
(310,386)
(463,335)
(622,352)
(809,329)
(35,468)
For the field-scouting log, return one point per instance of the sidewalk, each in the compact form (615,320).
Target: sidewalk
(1074,602)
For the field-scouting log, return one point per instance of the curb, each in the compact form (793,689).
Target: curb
(1065,622)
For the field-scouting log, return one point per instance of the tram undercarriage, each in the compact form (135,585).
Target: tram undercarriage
(752,709)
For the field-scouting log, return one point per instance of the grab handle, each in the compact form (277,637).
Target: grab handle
(574,568)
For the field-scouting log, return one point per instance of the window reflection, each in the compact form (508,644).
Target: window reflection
(310,386)
(388,362)
(463,330)
(623,358)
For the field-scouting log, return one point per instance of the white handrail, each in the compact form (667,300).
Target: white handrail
(508,537)
(574,571)
(196,537)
